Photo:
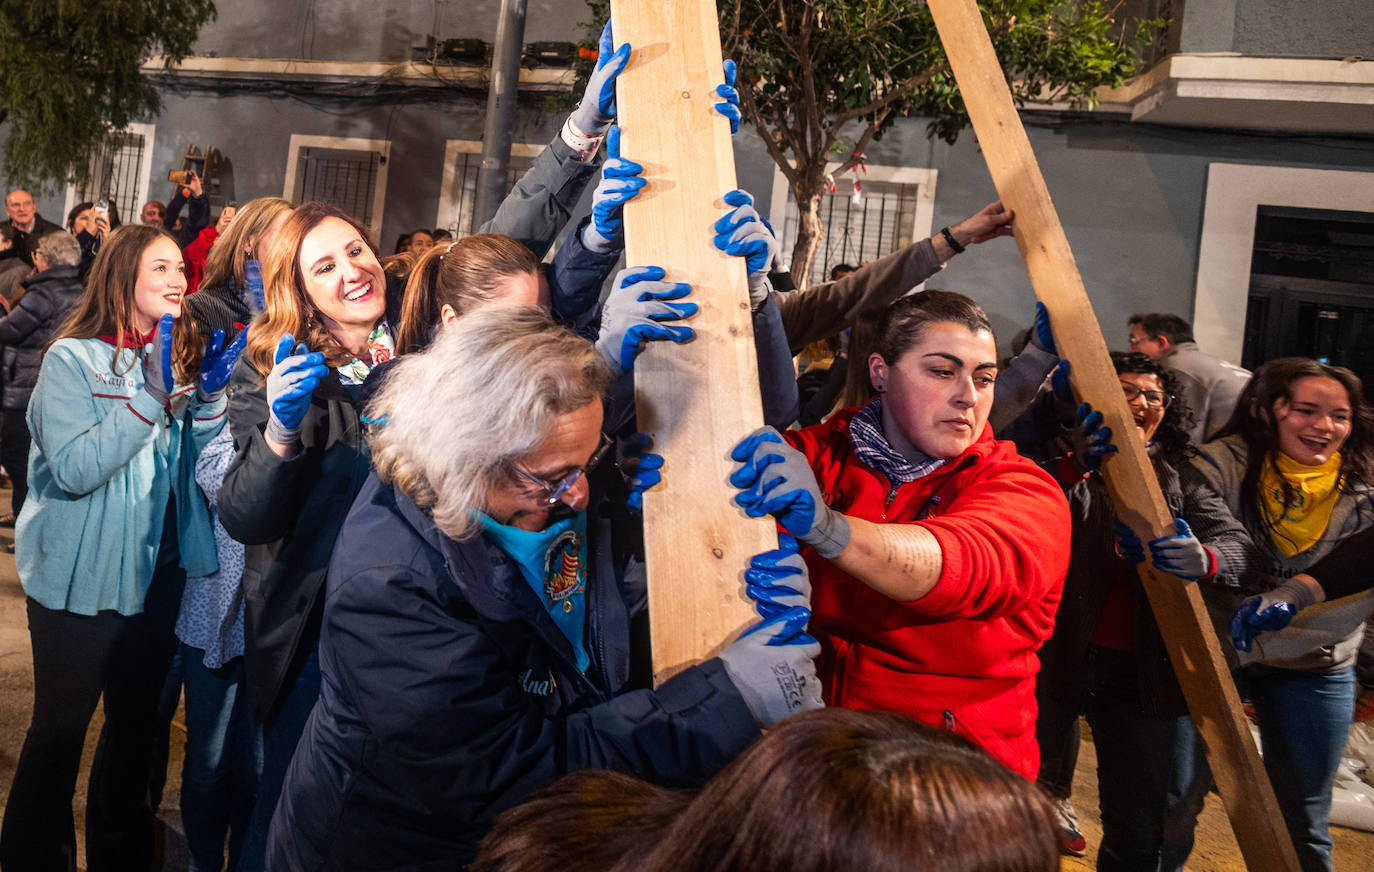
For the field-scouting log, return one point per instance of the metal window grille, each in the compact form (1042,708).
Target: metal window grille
(114,175)
(346,178)
(877,223)
(464,195)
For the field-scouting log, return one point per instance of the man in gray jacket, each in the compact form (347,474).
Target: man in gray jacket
(1209,385)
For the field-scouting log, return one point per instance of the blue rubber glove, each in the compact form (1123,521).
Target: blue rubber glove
(727,92)
(216,366)
(620,181)
(1182,555)
(772,663)
(743,232)
(157,362)
(1268,612)
(777,580)
(1041,335)
(293,378)
(776,479)
(1059,383)
(1092,441)
(1128,545)
(635,311)
(597,109)
(252,273)
(641,466)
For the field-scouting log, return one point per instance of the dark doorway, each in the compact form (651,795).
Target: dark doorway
(1312,289)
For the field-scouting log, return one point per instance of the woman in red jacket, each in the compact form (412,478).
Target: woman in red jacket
(937,553)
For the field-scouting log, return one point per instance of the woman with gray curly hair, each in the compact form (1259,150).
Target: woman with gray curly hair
(475,642)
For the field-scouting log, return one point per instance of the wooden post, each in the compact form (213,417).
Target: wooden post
(697,400)
(1178,606)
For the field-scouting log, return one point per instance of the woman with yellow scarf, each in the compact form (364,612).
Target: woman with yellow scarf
(1294,465)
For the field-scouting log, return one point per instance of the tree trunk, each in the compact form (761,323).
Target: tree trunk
(810,232)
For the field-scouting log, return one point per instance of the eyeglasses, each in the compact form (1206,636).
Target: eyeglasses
(1156,399)
(557,490)
(1133,341)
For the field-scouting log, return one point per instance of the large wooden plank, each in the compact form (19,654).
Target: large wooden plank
(1178,606)
(696,400)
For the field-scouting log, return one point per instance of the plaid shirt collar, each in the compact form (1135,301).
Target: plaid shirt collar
(872,447)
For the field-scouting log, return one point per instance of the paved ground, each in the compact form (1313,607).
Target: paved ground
(1215,852)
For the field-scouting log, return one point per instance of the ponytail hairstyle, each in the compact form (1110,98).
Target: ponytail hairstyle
(1255,422)
(289,309)
(464,274)
(106,307)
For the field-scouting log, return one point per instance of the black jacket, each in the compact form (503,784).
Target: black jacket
(27,242)
(1093,564)
(47,299)
(221,308)
(449,695)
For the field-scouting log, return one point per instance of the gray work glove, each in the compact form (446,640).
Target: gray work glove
(775,479)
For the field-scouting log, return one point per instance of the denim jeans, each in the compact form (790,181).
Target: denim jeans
(224,754)
(279,748)
(1304,721)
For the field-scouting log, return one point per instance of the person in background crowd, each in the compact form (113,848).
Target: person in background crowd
(1106,658)
(825,791)
(476,634)
(402,244)
(1208,385)
(28,225)
(80,219)
(126,396)
(153,213)
(933,593)
(199,250)
(48,296)
(191,194)
(442,236)
(13,268)
(839,271)
(231,293)
(420,242)
(1294,465)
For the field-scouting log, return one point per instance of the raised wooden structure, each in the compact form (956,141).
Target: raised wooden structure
(1178,606)
(697,400)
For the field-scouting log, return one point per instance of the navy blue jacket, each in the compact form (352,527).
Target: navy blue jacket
(449,695)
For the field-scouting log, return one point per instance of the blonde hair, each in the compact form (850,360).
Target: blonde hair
(229,252)
(485,393)
(464,275)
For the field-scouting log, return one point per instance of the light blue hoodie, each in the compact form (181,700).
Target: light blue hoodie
(104,458)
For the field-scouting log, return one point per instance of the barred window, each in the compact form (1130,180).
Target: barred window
(348,173)
(458,193)
(119,172)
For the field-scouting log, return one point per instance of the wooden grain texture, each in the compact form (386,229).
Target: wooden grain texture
(1178,607)
(697,400)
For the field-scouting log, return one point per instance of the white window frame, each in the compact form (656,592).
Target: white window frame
(922,177)
(344,143)
(1234,194)
(142,184)
(452,149)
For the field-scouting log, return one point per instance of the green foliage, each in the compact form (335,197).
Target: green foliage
(70,77)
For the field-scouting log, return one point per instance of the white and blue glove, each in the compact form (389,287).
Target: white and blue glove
(727,92)
(641,466)
(620,182)
(1182,555)
(635,313)
(772,663)
(1269,612)
(158,378)
(1092,440)
(216,366)
(743,232)
(776,479)
(597,109)
(293,379)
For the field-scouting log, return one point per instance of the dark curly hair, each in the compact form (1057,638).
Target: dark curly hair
(1172,435)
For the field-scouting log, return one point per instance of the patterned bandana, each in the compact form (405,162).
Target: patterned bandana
(1298,525)
(382,348)
(866,434)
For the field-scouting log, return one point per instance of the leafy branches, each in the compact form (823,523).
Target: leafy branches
(70,76)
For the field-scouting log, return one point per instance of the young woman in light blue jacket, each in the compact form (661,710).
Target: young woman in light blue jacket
(126,397)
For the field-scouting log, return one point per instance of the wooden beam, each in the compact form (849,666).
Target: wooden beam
(1178,606)
(695,400)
